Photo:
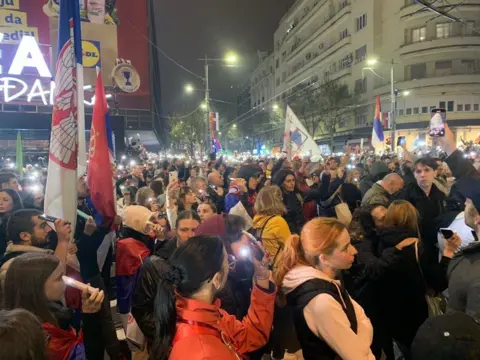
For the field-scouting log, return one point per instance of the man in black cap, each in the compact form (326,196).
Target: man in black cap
(453,336)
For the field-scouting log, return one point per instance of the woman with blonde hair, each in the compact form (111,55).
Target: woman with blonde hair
(271,227)
(329,323)
(400,292)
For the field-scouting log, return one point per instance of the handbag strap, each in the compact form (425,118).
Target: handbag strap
(264,226)
(419,266)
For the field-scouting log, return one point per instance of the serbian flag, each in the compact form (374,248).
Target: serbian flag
(101,165)
(377,131)
(216,144)
(67,137)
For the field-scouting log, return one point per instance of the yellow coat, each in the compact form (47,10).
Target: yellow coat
(274,235)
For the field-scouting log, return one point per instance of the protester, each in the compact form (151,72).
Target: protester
(34,282)
(126,200)
(10,202)
(271,228)
(206,210)
(187,200)
(329,323)
(446,337)
(21,336)
(378,170)
(464,271)
(292,198)
(215,190)
(145,196)
(243,189)
(191,324)
(402,288)
(351,189)
(381,192)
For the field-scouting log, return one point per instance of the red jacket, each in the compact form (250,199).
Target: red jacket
(213,334)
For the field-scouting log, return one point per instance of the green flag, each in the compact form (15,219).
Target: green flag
(19,153)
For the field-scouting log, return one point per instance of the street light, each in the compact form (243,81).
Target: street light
(189,88)
(406,93)
(204,106)
(231,58)
(372,62)
(275,107)
(234,126)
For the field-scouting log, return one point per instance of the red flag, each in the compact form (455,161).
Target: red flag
(100,170)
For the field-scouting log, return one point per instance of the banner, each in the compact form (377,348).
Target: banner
(296,139)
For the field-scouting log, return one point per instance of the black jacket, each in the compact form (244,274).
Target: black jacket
(401,289)
(294,216)
(218,200)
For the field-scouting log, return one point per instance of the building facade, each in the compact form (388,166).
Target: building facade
(435,59)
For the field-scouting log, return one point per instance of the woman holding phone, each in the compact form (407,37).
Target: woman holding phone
(34,282)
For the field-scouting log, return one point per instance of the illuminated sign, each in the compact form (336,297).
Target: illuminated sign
(28,61)
(91,53)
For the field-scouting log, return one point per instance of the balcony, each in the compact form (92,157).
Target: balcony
(412,11)
(319,58)
(439,45)
(299,46)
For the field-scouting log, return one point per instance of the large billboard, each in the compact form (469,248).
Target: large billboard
(117,30)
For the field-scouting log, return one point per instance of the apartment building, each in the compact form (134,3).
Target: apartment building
(435,60)
(262,86)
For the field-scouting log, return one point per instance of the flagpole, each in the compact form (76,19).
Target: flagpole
(82,147)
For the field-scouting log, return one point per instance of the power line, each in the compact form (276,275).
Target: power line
(164,53)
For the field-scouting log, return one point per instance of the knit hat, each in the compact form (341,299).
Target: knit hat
(379,168)
(453,336)
(214,226)
(136,218)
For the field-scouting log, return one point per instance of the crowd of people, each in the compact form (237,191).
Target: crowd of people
(354,258)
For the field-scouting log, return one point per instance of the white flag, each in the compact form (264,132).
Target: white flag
(296,139)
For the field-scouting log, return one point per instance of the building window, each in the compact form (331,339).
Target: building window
(468,66)
(418,34)
(361,85)
(278,82)
(361,22)
(459,107)
(424,109)
(401,112)
(418,71)
(361,54)
(342,123)
(450,105)
(416,111)
(408,111)
(468,107)
(361,119)
(443,68)
(284,76)
(442,105)
(277,63)
(476,107)
(343,34)
(444,30)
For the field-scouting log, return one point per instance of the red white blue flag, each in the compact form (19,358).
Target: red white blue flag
(67,118)
(377,131)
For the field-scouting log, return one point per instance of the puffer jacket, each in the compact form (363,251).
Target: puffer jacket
(244,336)
(273,232)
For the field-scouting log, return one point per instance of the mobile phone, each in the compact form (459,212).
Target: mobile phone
(437,122)
(401,141)
(77,284)
(447,233)
(172,176)
(47,218)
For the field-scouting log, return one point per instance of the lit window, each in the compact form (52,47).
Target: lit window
(444,30)
(419,34)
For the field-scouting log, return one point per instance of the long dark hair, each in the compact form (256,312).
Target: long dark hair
(280,176)
(191,265)
(16,199)
(25,284)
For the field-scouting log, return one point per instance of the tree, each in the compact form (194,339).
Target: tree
(321,109)
(189,132)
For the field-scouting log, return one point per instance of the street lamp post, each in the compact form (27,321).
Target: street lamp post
(393,97)
(208,144)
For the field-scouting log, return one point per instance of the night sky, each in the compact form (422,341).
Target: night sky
(187,29)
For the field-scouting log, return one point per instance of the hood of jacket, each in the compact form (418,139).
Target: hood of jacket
(391,237)
(301,274)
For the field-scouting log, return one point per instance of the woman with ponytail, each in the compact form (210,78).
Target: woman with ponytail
(189,321)
(328,322)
